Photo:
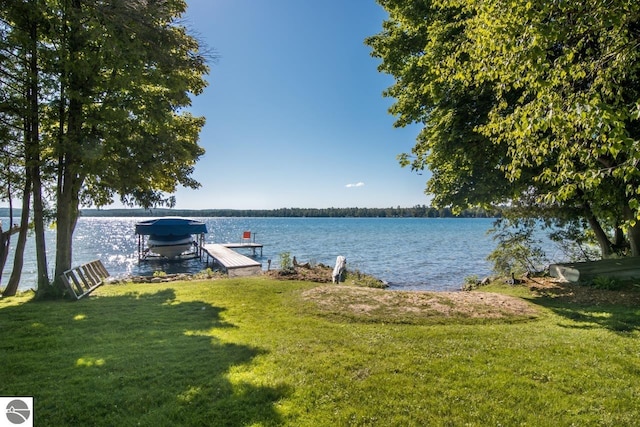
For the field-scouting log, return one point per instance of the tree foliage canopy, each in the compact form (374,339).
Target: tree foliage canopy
(129,71)
(534,103)
(97,106)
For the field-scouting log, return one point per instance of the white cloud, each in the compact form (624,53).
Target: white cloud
(359,184)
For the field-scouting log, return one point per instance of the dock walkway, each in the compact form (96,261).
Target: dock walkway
(252,246)
(235,264)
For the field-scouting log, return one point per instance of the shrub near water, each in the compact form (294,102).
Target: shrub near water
(258,352)
(357,278)
(286,263)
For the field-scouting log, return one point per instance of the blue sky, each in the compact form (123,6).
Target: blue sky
(294,109)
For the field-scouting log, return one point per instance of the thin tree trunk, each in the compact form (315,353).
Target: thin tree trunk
(5,240)
(619,240)
(634,239)
(633,234)
(18,258)
(33,159)
(602,238)
(5,236)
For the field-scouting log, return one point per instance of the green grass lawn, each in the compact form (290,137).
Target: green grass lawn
(237,352)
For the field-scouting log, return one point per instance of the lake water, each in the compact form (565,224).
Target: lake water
(408,253)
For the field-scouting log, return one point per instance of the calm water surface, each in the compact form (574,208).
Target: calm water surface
(408,253)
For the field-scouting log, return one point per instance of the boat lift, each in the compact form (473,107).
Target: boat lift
(167,228)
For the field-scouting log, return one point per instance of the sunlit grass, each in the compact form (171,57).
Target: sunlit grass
(252,352)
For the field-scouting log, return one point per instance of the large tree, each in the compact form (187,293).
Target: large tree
(10,129)
(127,70)
(104,87)
(21,22)
(532,103)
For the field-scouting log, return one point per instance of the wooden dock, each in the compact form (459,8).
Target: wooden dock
(252,246)
(235,264)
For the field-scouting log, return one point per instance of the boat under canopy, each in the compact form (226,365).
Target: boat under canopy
(170,237)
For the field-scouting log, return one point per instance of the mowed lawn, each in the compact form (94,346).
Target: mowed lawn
(260,352)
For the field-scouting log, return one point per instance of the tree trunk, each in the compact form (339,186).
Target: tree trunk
(5,236)
(39,225)
(32,138)
(70,145)
(633,234)
(5,240)
(634,239)
(619,240)
(603,240)
(66,220)
(70,182)
(18,258)
(12,287)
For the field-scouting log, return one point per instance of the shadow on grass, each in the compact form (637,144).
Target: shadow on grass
(138,359)
(589,308)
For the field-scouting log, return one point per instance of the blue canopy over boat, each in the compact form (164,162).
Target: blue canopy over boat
(170,226)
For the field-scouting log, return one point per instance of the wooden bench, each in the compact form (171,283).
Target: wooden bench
(82,280)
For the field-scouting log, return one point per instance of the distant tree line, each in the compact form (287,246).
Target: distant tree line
(418,211)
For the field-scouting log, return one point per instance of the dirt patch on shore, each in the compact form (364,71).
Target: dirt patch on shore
(416,307)
(321,273)
(318,273)
(581,294)
(400,306)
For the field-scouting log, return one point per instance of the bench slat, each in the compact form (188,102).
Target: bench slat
(76,283)
(101,269)
(82,280)
(85,282)
(91,274)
